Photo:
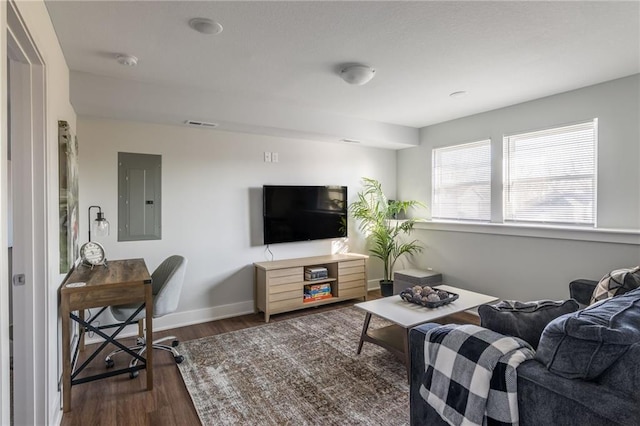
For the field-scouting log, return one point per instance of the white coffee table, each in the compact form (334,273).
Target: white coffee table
(405,315)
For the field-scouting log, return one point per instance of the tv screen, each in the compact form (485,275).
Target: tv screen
(303,213)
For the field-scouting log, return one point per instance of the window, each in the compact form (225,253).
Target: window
(550,175)
(462,182)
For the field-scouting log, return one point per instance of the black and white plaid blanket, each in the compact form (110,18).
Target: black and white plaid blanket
(470,374)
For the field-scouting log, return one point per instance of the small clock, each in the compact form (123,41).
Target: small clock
(93,254)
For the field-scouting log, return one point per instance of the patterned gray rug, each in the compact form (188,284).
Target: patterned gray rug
(302,371)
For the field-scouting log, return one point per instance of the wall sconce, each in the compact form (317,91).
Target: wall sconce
(100,225)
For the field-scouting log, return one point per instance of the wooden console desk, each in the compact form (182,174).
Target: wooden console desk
(121,282)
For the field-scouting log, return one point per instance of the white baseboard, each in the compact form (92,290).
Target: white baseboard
(373,285)
(182,319)
(55,412)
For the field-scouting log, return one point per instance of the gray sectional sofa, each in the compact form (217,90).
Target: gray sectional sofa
(586,370)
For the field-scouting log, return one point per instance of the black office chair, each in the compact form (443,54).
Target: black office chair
(167,286)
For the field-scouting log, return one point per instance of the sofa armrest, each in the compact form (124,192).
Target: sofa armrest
(581,290)
(544,395)
(421,413)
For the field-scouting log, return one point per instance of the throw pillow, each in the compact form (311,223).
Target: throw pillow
(616,282)
(524,320)
(584,344)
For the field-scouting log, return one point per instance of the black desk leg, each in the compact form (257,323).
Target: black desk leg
(107,339)
(365,327)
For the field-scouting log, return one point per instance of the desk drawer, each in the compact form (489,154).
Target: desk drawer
(106,297)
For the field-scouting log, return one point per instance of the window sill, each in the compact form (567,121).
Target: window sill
(603,235)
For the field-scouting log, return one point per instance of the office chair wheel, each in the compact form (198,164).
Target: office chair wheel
(109,363)
(133,374)
(175,343)
(178,359)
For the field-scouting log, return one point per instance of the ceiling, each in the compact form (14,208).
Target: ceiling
(274,68)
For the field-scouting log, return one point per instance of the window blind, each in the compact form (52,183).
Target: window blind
(550,175)
(462,182)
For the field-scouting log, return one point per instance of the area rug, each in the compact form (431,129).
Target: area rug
(302,371)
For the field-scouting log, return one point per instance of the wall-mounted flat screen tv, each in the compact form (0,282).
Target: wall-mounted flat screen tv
(303,213)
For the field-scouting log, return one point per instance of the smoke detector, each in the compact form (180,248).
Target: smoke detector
(205,26)
(128,60)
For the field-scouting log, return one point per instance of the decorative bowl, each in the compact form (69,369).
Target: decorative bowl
(420,296)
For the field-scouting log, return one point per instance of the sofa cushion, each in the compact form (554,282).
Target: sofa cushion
(524,320)
(616,282)
(585,343)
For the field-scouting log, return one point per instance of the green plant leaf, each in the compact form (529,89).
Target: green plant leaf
(373,211)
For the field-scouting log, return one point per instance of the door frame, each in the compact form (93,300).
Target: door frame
(28,131)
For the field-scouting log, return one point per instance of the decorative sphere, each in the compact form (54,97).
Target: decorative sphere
(443,295)
(433,297)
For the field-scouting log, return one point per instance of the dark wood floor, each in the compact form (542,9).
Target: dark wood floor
(121,401)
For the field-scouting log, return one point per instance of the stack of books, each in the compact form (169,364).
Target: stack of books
(315,273)
(315,292)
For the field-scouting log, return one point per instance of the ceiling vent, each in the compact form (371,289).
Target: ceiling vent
(347,140)
(196,123)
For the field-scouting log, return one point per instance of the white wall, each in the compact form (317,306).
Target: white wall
(530,267)
(211,201)
(46,403)
(5,298)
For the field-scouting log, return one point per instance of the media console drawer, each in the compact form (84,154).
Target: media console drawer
(280,284)
(287,272)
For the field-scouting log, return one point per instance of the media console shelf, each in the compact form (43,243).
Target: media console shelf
(280,283)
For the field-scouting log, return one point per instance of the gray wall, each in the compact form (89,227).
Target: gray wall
(212,201)
(537,266)
(212,190)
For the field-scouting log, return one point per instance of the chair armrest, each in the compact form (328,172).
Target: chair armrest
(544,395)
(581,290)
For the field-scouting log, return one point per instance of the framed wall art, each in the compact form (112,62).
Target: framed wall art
(68,191)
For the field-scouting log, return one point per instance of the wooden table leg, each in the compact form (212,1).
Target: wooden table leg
(149,323)
(66,355)
(365,327)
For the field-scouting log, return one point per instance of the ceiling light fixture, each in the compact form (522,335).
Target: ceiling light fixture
(460,94)
(205,26)
(128,60)
(357,74)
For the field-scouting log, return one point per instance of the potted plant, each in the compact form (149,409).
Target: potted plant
(375,215)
